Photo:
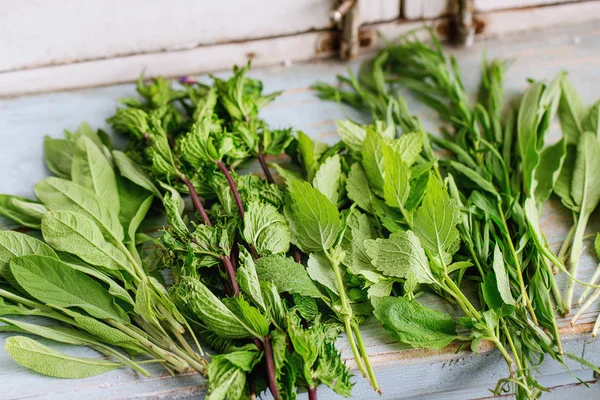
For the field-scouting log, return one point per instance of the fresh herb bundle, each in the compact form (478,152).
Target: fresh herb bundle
(485,215)
(87,273)
(243,231)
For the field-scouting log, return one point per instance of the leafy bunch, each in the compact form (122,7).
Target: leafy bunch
(88,273)
(484,214)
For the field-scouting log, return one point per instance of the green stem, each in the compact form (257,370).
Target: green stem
(515,256)
(353,346)
(363,351)
(111,352)
(461,299)
(560,305)
(575,255)
(564,249)
(588,289)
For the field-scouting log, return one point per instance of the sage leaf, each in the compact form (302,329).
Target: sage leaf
(53,282)
(15,244)
(58,155)
(21,210)
(59,194)
(44,360)
(132,171)
(91,169)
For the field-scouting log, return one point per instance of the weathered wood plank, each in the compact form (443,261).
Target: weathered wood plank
(403,372)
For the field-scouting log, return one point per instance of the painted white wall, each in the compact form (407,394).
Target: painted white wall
(36,33)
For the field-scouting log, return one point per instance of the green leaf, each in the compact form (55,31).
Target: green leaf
(210,309)
(474,177)
(247,277)
(352,134)
(597,245)
(586,176)
(571,112)
(310,152)
(266,229)
(549,169)
(59,194)
(418,187)
(358,188)
(16,244)
(409,146)
(77,234)
(54,282)
(373,159)
(44,360)
(91,169)
(396,187)
(58,154)
(435,222)
(400,256)
(60,334)
(591,123)
(103,332)
(227,374)
(250,316)
(132,171)
(173,204)
(564,182)
(138,218)
(22,210)
(527,131)
(356,259)
(287,275)
(329,179)
(314,221)
(412,323)
(320,270)
(501,277)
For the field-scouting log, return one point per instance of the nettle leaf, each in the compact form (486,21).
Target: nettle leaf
(358,188)
(247,277)
(400,256)
(409,146)
(132,171)
(586,176)
(373,159)
(59,194)
(396,187)
(54,282)
(352,134)
(15,244)
(314,221)
(329,179)
(435,222)
(44,360)
(58,154)
(548,171)
(77,234)
(287,275)
(210,309)
(22,210)
(320,270)
(412,323)
(266,229)
(571,112)
(91,169)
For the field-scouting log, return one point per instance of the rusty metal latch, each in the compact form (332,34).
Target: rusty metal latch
(346,17)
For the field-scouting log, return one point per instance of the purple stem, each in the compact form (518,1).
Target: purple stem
(196,200)
(312,393)
(231,275)
(271,368)
(265,168)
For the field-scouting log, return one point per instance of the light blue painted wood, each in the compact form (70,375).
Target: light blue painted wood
(403,373)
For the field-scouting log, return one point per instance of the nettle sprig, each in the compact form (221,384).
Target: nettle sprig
(88,273)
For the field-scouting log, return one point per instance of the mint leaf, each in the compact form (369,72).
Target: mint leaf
(373,159)
(266,229)
(352,134)
(358,188)
(329,179)
(287,275)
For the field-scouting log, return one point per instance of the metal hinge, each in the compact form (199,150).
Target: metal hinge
(346,17)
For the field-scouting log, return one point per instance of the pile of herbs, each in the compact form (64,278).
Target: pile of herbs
(470,219)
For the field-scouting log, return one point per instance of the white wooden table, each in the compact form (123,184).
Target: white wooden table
(402,372)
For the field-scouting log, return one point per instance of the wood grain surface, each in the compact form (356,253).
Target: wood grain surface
(402,372)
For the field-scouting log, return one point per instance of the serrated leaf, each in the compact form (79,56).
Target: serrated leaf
(59,194)
(310,152)
(352,134)
(435,222)
(412,323)
(247,277)
(44,360)
(396,188)
(373,159)
(358,188)
(54,282)
(91,169)
(251,317)
(356,257)
(21,210)
(287,275)
(329,179)
(266,229)
(320,270)
(409,146)
(314,221)
(77,234)
(400,256)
